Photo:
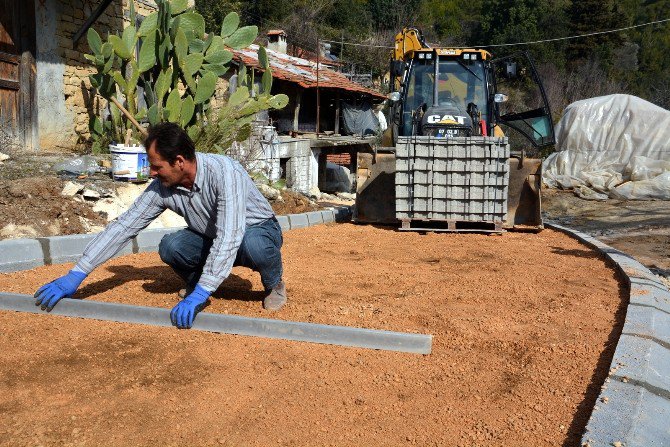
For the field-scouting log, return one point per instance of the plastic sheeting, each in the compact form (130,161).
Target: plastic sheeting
(359,119)
(615,146)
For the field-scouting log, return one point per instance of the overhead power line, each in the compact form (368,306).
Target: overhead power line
(577,36)
(517,43)
(356,44)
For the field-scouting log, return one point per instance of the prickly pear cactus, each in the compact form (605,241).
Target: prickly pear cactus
(167,70)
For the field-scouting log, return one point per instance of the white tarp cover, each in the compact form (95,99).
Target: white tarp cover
(615,146)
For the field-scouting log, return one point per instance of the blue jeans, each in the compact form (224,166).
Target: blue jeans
(186,252)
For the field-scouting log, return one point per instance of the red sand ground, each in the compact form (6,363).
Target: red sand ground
(524,329)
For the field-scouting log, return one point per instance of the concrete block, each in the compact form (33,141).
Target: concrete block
(62,249)
(20,254)
(148,240)
(328,216)
(314,218)
(649,294)
(284,223)
(648,321)
(652,426)
(298,221)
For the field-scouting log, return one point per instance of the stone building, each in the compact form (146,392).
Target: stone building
(45,94)
(310,155)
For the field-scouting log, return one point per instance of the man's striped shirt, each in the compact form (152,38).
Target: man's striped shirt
(221,204)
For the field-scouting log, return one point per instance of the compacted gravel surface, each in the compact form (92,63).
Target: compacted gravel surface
(524,327)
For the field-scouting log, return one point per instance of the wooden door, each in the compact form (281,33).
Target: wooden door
(17,74)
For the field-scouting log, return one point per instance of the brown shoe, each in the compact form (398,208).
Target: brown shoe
(276,299)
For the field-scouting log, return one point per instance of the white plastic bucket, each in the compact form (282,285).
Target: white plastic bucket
(129,163)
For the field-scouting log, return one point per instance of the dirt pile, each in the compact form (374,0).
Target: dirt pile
(292,203)
(31,203)
(524,327)
(34,207)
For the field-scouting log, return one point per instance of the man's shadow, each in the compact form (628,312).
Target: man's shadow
(162,279)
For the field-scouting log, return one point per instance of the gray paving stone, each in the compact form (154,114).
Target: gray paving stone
(314,217)
(61,249)
(328,216)
(613,421)
(284,223)
(298,221)
(148,240)
(652,428)
(20,254)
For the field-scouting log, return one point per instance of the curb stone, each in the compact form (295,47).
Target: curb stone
(25,254)
(20,254)
(298,221)
(633,408)
(231,324)
(58,249)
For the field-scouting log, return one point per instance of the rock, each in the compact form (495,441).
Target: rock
(88,227)
(91,194)
(314,193)
(268,192)
(71,188)
(346,195)
(3,157)
(110,207)
(11,231)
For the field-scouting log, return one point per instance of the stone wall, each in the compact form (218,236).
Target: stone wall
(65,98)
(302,167)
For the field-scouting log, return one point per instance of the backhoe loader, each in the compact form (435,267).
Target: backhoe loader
(451,94)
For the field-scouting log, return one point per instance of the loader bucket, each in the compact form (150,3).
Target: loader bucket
(524,202)
(375,191)
(375,187)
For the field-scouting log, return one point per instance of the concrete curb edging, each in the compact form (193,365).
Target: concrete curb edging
(633,408)
(231,324)
(25,254)
(22,254)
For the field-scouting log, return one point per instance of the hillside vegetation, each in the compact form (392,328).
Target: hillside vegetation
(633,61)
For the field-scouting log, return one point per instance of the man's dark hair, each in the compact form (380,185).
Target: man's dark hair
(171,140)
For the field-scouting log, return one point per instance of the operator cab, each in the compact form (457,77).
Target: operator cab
(448,104)
(453,92)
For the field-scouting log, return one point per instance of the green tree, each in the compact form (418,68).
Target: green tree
(651,80)
(449,22)
(588,16)
(393,14)
(214,11)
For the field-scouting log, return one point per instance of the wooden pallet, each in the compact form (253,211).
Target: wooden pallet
(453,226)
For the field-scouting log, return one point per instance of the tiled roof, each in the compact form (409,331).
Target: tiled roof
(301,71)
(327,60)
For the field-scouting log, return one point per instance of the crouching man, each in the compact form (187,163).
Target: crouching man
(229,222)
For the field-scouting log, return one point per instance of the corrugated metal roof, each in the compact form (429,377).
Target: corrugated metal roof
(302,71)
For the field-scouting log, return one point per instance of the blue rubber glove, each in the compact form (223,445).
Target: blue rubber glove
(184,313)
(48,295)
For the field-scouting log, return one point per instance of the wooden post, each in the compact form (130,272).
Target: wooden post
(337,113)
(296,114)
(132,119)
(318,96)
